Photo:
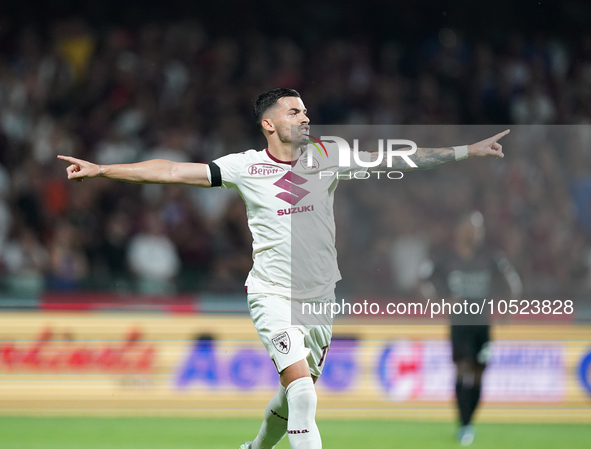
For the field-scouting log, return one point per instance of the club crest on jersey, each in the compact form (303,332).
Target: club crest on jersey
(264,169)
(282,342)
(304,164)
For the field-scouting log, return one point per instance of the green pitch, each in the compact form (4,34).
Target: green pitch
(187,433)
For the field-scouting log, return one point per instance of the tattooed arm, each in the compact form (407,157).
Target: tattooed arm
(426,158)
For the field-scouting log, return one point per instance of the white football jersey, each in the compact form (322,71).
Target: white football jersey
(290,214)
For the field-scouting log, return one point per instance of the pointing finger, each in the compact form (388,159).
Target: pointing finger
(500,135)
(71,160)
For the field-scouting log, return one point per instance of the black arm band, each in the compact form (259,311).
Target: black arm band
(216,175)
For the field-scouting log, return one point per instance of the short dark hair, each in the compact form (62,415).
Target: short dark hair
(269,99)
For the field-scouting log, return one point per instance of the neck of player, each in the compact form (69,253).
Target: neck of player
(284,151)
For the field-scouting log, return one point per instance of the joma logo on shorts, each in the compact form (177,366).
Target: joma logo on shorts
(295,210)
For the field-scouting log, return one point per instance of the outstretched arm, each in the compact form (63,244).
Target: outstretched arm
(426,158)
(155,171)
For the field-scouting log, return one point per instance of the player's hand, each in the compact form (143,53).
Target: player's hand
(488,147)
(79,169)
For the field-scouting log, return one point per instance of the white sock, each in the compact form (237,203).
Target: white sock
(301,425)
(274,426)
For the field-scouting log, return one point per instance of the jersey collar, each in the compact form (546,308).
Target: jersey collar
(279,161)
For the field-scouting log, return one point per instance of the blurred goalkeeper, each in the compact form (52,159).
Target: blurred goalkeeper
(470,271)
(276,183)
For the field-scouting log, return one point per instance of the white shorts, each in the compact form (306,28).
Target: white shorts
(288,343)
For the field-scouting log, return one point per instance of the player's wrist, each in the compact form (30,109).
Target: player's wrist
(101,171)
(461,152)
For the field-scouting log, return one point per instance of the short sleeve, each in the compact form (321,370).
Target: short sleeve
(231,167)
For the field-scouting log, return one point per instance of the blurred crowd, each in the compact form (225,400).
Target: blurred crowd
(172,91)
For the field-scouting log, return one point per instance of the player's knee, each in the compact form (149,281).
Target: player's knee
(464,368)
(301,394)
(469,373)
(298,370)
(478,371)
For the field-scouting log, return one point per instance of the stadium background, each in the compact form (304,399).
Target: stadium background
(91,325)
